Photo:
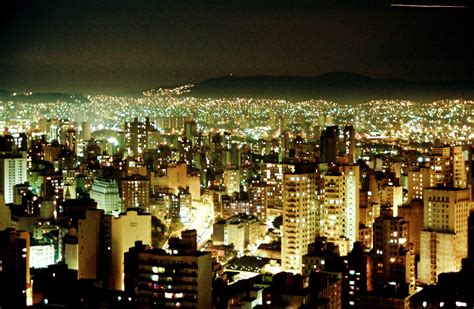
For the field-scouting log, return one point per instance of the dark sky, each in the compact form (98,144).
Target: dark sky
(94,46)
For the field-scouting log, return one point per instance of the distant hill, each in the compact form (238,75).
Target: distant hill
(339,86)
(40,97)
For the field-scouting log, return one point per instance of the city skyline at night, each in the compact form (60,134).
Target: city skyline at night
(224,154)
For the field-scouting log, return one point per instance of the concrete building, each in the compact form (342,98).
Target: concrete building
(181,277)
(135,193)
(177,177)
(443,241)
(392,197)
(413,214)
(106,193)
(340,211)
(239,230)
(136,137)
(232,181)
(15,282)
(259,196)
(448,166)
(272,175)
(13,171)
(418,180)
(5,215)
(349,144)
(300,216)
(120,234)
(329,145)
(393,257)
(89,245)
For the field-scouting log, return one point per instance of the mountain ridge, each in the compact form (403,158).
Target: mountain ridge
(336,86)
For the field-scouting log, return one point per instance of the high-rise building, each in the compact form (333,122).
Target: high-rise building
(340,211)
(392,197)
(413,214)
(177,177)
(106,193)
(329,143)
(443,241)
(459,168)
(272,174)
(448,166)
(349,143)
(70,139)
(190,129)
(120,234)
(13,171)
(89,245)
(86,131)
(232,181)
(300,218)
(259,196)
(135,192)
(5,215)
(392,255)
(181,277)
(15,282)
(359,275)
(239,230)
(418,180)
(136,136)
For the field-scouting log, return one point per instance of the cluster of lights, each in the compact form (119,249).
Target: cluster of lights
(390,119)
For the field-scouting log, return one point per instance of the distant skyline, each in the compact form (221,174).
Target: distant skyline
(87,46)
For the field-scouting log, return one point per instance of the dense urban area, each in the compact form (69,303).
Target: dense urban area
(169,200)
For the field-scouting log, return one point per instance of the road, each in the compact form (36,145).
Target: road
(201,220)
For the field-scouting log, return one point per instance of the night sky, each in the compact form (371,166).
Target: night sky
(115,46)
